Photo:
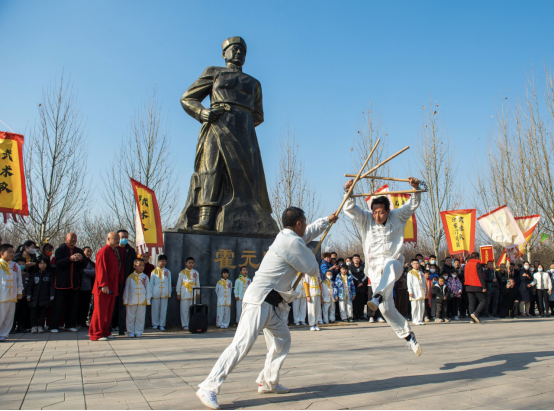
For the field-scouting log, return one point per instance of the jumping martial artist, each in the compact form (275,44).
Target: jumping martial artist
(265,306)
(382,232)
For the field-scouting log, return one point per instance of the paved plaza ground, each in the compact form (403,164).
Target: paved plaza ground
(502,364)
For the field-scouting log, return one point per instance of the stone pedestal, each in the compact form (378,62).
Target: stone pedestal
(212,252)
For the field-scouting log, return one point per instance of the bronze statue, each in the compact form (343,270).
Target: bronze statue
(228,191)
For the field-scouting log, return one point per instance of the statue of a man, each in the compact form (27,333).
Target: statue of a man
(228,191)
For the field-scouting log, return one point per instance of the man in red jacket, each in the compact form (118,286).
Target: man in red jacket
(476,287)
(105,289)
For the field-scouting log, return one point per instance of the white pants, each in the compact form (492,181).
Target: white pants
(345,309)
(136,314)
(159,311)
(7,312)
(299,310)
(391,273)
(239,310)
(255,318)
(418,309)
(328,312)
(314,310)
(185,311)
(223,315)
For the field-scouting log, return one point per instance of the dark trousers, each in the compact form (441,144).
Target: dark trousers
(67,300)
(477,303)
(21,315)
(542,301)
(440,308)
(84,304)
(359,304)
(427,309)
(453,305)
(433,308)
(38,316)
(492,302)
(119,312)
(464,305)
(513,311)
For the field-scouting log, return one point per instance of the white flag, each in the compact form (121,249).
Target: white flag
(500,225)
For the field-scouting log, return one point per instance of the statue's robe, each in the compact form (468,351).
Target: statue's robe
(228,168)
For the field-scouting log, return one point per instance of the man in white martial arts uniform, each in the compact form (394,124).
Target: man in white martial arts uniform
(382,232)
(265,306)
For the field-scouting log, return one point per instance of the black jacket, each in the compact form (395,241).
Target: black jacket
(68,273)
(130,257)
(32,269)
(490,275)
(358,274)
(510,295)
(448,269)
(441,291)
(40,288)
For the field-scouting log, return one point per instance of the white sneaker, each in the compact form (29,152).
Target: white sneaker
(316,328)
(371,320)
(296,323)
(102,339)
(414,346)
(155,327)
(186,328)
(380,320)
(320,322)
(279,389)
(456,318)
(312,328)
(326,322)
(373,304)
(73,330)
(40,329)
(54,331)
(111,337)
(302,323)
(208,398)
(34,330)
(138,335)
(2,339)
(130,335)
(162,328)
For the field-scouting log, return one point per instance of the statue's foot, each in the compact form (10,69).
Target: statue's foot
(201,227)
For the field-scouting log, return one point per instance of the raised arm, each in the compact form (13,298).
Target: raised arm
(405,212)
(315,229)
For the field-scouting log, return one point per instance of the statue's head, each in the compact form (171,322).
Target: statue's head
(234,51)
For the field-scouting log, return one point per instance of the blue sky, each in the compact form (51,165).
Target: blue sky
(320,65)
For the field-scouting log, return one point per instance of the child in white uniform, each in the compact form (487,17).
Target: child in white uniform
(328,297)
(11,289)
(136,296)
(160,286)
(416,289)
(223,291)
(188,279)
(241,285)
(312,287)
(299,305)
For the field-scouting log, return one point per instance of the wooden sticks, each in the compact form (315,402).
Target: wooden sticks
(403,180)
(384,162)
(384,193)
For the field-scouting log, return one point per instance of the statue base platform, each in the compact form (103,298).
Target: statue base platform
(212,251)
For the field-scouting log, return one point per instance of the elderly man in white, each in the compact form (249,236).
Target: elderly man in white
(265,306)
(382,232)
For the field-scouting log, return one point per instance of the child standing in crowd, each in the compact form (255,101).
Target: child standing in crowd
(299,305)
(11,289)
(312,287)
(428,296)
(329,298)
(188,279)
(40,293)
(223,291)
(241,284)
(416,290)
(346,292)
(455,289)
(160,284)
(136,296)
(21,321)
(440,295)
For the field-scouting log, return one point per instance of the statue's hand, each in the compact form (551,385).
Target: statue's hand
(209,115)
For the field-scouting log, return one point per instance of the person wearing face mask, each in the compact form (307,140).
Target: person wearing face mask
(28,252)
(127,256)
(328,298)
(46,251)
(360,282)
(526,281)
(551,295)
(455,288)
(433,263)
(544,289)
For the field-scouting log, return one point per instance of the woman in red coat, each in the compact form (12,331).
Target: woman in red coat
(105,289)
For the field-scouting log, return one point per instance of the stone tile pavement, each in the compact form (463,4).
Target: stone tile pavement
(502,364)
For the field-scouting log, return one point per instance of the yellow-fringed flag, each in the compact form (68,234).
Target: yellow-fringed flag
(13,193)
(503,258)
(149,224)
(397,201)
(527,225)
(459,229)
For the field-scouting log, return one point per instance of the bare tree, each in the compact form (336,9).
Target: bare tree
(369,131)
(55,159)
(437,167)
(146,156)
(290,186)
(93,230)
